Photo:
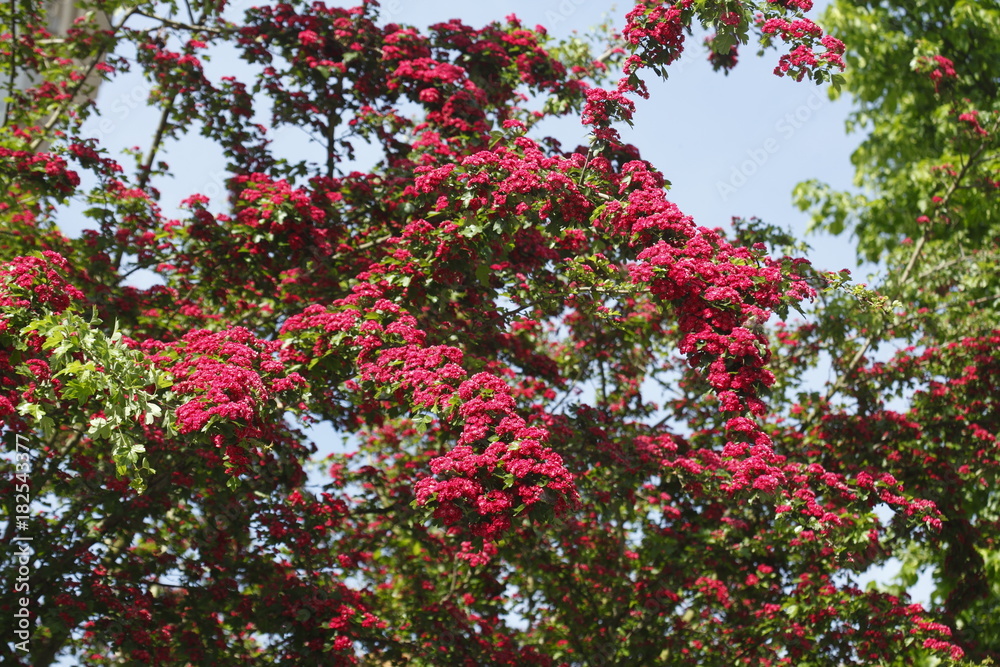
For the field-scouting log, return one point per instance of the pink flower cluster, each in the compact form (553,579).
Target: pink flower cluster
(803,5)
(972,118)
(228,377)
(605,107)
(938,68)
(37,283)
(45,171)
(657,29)
(654,31)
(713,286)
(29,287)
(802,60)
(500,465)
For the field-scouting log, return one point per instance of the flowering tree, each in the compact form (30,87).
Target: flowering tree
(923,80)
(573,440)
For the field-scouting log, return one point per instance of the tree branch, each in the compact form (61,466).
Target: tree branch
(145,171)
(192,27)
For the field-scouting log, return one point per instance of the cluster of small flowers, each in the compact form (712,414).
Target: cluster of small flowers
(45,171)
(499,466)
(722,61)
(230,377)
(453,99)
(509,182)
(181,72)
(29,287)
(803,60)
(264,204)
(657,30)
(972,118)
(319,34)
(654,31)
(802,5)
(937,68)
(959,406)
(37,283)
(605,107)
(714,286)
(327,39)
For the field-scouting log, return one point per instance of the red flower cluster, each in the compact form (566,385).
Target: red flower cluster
(500,466)
(39,172)
(656,29)
(803,59)
(938,68)
(228,377)
(37,283)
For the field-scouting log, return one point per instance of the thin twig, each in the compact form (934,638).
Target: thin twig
(146,169)
(180,25)
(938,268)
(190,12)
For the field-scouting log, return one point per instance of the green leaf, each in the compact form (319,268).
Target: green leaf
(471,229)
(483,273)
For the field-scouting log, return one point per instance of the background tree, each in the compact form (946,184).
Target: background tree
(570,443)
(923,80)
